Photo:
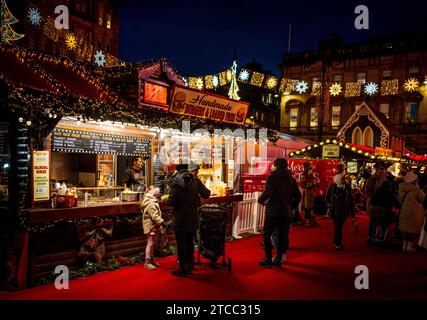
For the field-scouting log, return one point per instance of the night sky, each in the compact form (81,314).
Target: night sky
(198,37)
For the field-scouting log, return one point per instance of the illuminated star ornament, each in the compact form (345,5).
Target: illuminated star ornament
(335,89)
(411,84)
(99,58)
(34,16)
(301,87)
(271,82)
(185,81)
(70,41)
(371,88)
(244,75)
(199,83)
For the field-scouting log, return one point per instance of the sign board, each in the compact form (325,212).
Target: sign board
(205,105)
(352,167)
(331,151)
(154,94)
(41,178)
(383,152)
(65,140)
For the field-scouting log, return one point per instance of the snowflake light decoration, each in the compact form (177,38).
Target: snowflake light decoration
(215,81)
(70,41)
(271,82)
(411,84)
(199,83)
(185,81)
(244,75)
(99,58)
(371,88)
(34,16)
(301,87)
(335,89)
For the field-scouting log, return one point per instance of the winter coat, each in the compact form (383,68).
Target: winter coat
(411,216)
(151,213)
(372,184)
(184,197)
(340,201)
(381,209)
(281,194)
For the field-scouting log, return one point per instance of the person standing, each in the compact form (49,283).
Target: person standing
(372,184)
(422,242)
(185,192)
(340,200)
(281,196)
(308,184)
(152,223)
(411,216)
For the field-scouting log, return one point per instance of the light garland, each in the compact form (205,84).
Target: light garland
(352,89)
(389,87)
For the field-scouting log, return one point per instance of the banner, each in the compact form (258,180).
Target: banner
(41,169)
(204,105)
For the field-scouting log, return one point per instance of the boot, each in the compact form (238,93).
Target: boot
(410,247)
(404,245)
(266,263)
(149,264)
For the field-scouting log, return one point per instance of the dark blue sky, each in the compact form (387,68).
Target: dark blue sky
(197,37)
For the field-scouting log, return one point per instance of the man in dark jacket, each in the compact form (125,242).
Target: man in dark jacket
(281,195)
(185,192)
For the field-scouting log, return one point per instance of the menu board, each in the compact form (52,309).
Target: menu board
(41,190)
(65,140)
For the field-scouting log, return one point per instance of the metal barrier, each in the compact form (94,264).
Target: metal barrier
(248,215)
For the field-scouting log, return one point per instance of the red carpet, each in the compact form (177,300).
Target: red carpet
(314,271)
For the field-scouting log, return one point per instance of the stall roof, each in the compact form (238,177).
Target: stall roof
(31,69)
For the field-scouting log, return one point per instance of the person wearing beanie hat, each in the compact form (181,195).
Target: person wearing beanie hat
(340,201)
(411,217)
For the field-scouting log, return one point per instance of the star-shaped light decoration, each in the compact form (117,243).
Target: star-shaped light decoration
(411,85)
(34,16)
(99,58)
(185,81)
(215,81)
(301,87)
(244,75)
(371,88)
(70,41)
(335,89)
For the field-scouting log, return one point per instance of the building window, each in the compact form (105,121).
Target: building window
(293,119)
(411,113)
(262,116)
(336,111)
(414,71)
(314,118)
(356,137)
(368,137)
(338,78)
(385,108)
(361,77)
(386,74)
(109,21)
(388,45)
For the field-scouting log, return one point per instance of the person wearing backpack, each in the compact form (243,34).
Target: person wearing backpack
(340,200)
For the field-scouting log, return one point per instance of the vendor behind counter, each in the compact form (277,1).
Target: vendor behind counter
(134,175)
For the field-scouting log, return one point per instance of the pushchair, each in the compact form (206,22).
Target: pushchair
(212,232)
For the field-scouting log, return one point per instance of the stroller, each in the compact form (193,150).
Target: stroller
(212,231)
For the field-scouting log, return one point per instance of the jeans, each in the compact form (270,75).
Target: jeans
(185,248)
(270,224)
(286,234)
(338,226)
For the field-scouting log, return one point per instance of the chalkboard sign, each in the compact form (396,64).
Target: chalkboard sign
(65,140)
